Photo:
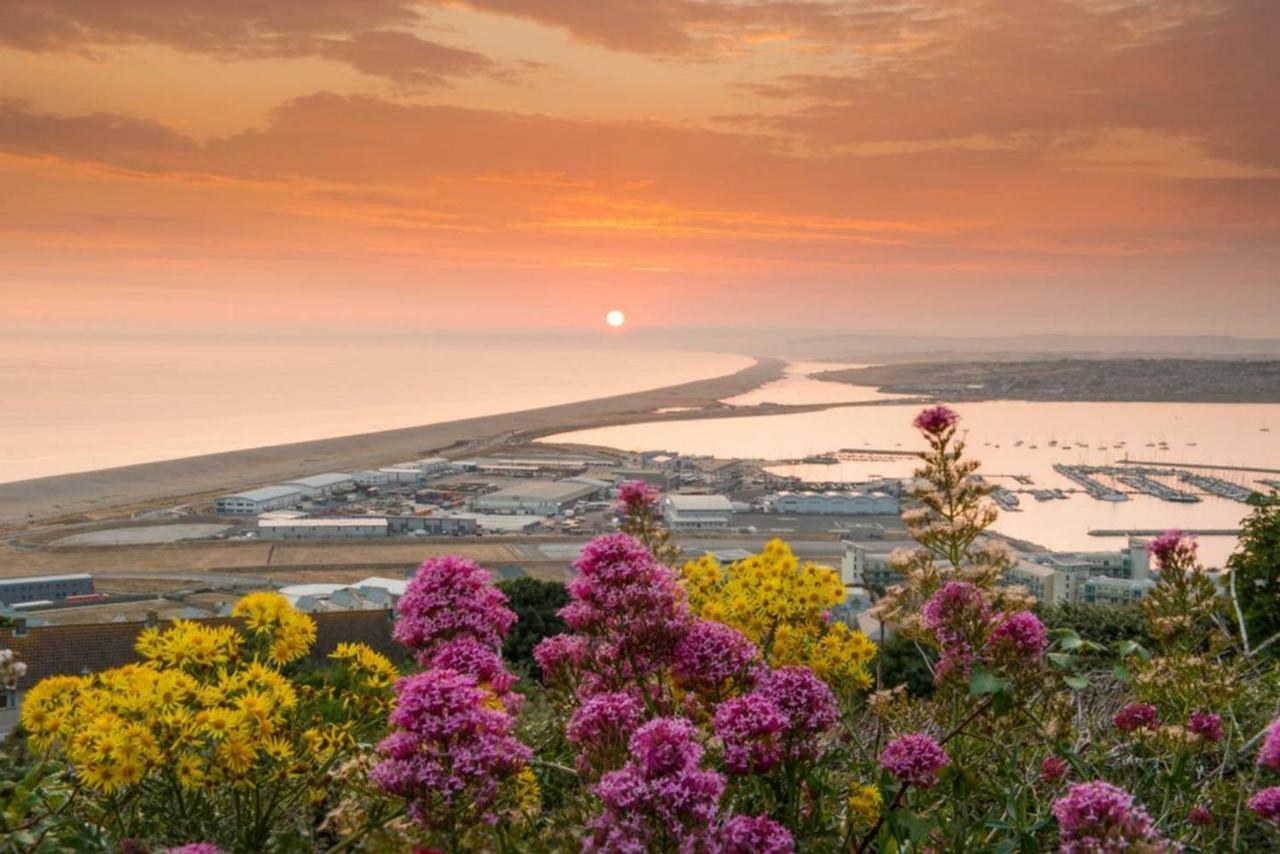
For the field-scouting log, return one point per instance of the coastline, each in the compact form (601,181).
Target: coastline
(190,479)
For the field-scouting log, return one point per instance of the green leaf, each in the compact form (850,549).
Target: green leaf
(1071,641)
(983,681)
(1061,660)
(1120,672)
(1077,683)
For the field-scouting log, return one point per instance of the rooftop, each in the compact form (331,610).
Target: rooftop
(699,502)
(32,579)
(550,489)
(366,521)
(266,493)
(319,481)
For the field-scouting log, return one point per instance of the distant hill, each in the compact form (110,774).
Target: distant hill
(1187,380)
(860,347)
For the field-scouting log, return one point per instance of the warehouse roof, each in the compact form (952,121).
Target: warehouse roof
(266,493)
(35,579)
(562,490)
(371,521)
(700,502)
(320,481)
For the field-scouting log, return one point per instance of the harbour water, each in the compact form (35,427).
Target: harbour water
(83,403)
(1010,438)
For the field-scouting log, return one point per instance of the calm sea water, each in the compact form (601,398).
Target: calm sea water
(78,404)
(1215,434)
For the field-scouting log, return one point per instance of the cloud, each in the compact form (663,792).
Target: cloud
(372,36)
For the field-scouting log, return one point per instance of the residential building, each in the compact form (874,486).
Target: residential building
(1105,590)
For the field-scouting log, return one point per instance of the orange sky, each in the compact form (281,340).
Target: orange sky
(961,165)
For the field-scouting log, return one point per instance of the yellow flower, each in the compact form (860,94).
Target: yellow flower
(528,794)
(864,804)
(190,771)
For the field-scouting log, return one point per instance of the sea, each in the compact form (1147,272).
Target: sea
(84,402)
(1009,438)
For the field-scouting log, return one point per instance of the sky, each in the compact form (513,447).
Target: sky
(960,166)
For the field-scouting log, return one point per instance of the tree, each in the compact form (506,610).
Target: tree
(1255,570)
(536,604)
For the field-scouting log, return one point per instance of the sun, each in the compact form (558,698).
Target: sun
(615,318)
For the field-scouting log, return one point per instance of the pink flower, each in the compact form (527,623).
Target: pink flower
(602,726)
(936,420)
(1172,547)
(1206,725)
(664,746)
(744,834)
(449,747)
(635,496)
(914,759)
(466,655)
(804,700)
(1053,769)
(560,657)
(1269,755)
(957,614)
(1266,805)
(750,727)
(1099,817)
(450,598)
(1136,716)
(1020,633)
(1200,817)
(713,655)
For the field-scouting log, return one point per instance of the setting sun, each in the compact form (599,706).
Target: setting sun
(615,318)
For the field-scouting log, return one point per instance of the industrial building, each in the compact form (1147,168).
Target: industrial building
(256,501)
(301,529)
(658,477)
(44,588)
(695,512)
(432,526)
(323,485)
(834,503)
(432,465)
(370,478)
(403,474)
(537,498)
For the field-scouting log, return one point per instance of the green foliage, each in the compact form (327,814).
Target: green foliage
(903,662)
(1106,625)
(1256,570)
(536,603)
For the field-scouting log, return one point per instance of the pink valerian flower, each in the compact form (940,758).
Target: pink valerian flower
(750,728)
(635,496)
(1053,769)
(625,597)
(449,598)
(1099,817)
(466,655)
(1136,716)
(805,701)
(1266,805)
(450,746)
(601,727)
(957,613)
(745,834)
(936,420)
(1173,547)
(1200,817)
(712,656)
(914,759)
(1206,725)
(1269,754)
(1020,636)
(661,791)
(560,657)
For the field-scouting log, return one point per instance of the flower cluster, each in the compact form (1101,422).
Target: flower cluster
(450,598)
(450,749)
(936,420)
(958,615)
(636,496)
(1269,755)
(1266,805)
(712,659)
(601,728)
(782,605)
(914,759)
(1096,817)
(745,834)
(1020,636)
(11,670)
(1136,716)
(751,729)
(286,634)
(1206,726)
(660,794)
(864,802)
(1172,547)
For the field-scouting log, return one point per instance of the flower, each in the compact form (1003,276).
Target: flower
(865,802)
(451,598)
(1020,633)
(1206,726)
(1172,546)
(1200,817)
(1266,805)
(745,834)
(466,655)
(450,746)
(936,420)
(957,614)
(750,728)
(1052,769)
(1269,754)
(636,495)
(1136,716)
(711,656)
(914,759)
(1099,817)
(601,727)
(664,746)
(559,656)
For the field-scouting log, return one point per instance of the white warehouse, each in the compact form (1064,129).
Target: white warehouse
(322,485)
(256,501)
(537,497)
(835,503)
(300,529)
(693,512)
